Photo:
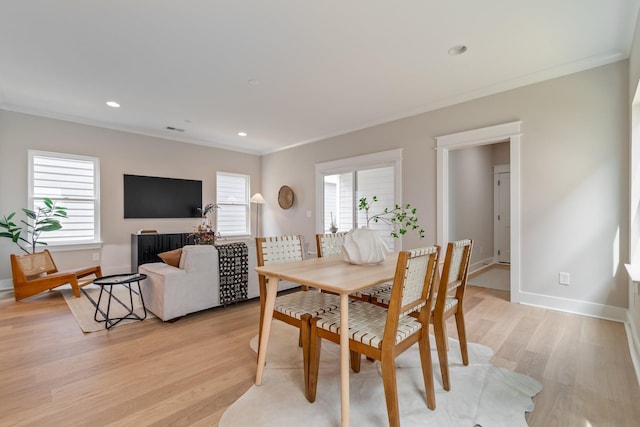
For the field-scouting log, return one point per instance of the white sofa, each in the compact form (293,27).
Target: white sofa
(170,292)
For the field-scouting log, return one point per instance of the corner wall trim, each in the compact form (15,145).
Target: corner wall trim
(634,344)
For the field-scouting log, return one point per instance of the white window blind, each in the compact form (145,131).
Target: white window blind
(232,197)
(72,182)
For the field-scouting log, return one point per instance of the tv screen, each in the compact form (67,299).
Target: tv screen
(154,197)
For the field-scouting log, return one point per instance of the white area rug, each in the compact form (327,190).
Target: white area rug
(481,394)
(83,308)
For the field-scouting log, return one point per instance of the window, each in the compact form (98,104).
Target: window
(342,183)
(70,181)
(232,198)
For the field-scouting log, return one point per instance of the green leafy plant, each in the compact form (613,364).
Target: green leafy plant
(44,218)
(401,218)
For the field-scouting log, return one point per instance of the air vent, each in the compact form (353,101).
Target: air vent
(174,129)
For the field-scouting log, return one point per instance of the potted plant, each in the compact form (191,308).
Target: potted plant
(204,234)
(365,246)
(44,218)
(332,226)
(402,216)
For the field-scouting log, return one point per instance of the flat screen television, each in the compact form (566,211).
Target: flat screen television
(155,197)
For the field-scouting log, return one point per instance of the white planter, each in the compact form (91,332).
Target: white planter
(364,246)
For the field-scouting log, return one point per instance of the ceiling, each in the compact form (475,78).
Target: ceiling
(288,72)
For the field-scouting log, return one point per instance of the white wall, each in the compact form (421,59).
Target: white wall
(574,182)
(471,199)
(119,153)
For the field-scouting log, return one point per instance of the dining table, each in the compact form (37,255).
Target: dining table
(332,274)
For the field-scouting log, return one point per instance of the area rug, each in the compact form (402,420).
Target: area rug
(481,394)
(83,308)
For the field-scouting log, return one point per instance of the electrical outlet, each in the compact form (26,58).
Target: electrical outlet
(565,278)
(96,256)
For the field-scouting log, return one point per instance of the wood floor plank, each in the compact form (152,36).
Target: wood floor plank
(186,373)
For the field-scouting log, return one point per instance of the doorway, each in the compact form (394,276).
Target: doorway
(510,132)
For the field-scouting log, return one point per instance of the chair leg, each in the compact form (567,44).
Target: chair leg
(462,336)
(355,361)
(315,344)
(427,369)
(304,341)
(75,287)
(441,345)
(390,389)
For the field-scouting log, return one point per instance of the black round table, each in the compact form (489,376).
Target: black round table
(106,284)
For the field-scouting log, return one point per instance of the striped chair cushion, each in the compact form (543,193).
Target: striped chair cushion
(366,323)
(374,290)
(449,303)
(384,297)
(306,302)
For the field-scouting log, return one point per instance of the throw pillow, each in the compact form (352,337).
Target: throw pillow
(171,257)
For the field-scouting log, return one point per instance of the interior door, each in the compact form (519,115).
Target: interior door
(502,214)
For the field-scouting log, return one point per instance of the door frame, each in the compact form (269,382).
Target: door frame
(497,170)
(510,132)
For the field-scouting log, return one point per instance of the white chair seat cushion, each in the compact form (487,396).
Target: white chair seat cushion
(298,303)
(374,290)
(449,303)
(384,297)
(366,323)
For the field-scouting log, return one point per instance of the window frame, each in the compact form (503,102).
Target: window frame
(247,204)
(368,161)
(79,244)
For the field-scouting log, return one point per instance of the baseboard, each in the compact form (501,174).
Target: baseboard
(6,284)
(634,344)
(480,265)
(584,308)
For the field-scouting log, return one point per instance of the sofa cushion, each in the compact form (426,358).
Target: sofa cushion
(171,257)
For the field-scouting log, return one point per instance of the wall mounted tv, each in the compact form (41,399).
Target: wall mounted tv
(154,197)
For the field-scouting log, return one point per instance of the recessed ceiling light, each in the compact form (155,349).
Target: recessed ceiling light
(253,82)
(457,50)
(242,134)
(113,104)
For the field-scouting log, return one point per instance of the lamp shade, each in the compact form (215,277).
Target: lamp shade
(257,198)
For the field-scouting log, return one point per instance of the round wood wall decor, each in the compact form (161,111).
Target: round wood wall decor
(285,197)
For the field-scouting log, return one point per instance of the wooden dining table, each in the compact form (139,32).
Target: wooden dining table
(330,274)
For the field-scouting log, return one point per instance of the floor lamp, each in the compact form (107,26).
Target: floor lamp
(258,200)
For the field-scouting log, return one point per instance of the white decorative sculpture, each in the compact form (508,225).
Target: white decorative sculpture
(364,246)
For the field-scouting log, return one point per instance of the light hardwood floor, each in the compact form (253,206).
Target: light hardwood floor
(188,372)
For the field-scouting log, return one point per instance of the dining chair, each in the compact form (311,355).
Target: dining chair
(449,302)
(298,307)
(385,333)
(37,272)
(330,244)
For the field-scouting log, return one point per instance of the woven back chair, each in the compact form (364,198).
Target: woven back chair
(37,272)
(294,308)
(330,244)
(449,302)
(385,333)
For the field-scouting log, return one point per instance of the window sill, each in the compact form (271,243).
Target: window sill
(633,270)
(73,247)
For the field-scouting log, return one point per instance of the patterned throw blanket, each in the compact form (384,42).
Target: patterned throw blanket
(234,272)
